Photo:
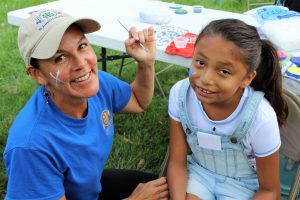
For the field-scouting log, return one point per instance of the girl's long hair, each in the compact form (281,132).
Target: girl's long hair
(259,55)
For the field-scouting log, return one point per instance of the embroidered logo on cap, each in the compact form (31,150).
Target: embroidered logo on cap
(45,17)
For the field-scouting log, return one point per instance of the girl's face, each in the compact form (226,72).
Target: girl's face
(219,73)
(72,73)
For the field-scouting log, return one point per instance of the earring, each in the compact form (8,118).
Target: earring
(46,95)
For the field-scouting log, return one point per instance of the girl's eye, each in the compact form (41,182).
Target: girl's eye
(224,72)
(200,62)
(59,58)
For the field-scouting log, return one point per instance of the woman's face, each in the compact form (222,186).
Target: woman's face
(219,73)
(72,73)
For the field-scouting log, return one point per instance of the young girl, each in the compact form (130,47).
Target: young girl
(227,113)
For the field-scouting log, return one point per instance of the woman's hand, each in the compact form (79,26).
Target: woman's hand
(141,45)
(152,190)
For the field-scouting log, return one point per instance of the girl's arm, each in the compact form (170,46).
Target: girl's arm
(268,177)
(177,167)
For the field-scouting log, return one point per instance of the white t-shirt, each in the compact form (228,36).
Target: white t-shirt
(263,137)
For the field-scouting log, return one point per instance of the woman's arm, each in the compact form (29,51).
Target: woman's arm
(268,177)
(143,85)
(177,168)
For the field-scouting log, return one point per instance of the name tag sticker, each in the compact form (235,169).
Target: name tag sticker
(209,141)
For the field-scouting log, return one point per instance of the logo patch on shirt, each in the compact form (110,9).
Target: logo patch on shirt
(106,119)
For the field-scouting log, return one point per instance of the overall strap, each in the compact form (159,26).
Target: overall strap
(187,127)
(248,115)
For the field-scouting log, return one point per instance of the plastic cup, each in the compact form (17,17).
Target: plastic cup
(197,9)
(180,42)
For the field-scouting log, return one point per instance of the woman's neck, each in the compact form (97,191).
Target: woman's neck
(73,107)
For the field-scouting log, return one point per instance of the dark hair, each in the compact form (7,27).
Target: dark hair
(34,63)
(257,54)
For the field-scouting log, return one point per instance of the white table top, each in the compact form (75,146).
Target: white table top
(112,34)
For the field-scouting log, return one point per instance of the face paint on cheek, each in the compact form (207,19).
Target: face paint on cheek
(56,78)
(191,72)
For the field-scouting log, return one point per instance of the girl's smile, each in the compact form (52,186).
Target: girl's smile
(203,92)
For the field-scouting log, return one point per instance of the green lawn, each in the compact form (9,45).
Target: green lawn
(141,140)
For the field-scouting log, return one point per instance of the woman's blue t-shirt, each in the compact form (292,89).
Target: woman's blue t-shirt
(49,154)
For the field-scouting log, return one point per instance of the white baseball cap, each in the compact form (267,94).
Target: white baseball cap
(40,35)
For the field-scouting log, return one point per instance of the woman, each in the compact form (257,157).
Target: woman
(59,143)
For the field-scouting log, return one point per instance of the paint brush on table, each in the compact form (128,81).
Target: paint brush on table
(131,35)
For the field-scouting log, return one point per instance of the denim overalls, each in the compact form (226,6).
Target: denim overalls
(231,160)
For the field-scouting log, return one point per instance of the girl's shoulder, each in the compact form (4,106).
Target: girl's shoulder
(177,86)
(264,109)
(264,105)
(179,83)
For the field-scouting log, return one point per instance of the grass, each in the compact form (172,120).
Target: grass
(141,140)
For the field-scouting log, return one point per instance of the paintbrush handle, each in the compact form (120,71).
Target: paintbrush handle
(141,45)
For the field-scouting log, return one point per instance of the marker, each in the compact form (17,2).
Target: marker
(286,66)
(293,72)
(295,60)
(131,36)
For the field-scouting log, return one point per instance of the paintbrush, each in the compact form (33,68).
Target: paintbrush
(131,36)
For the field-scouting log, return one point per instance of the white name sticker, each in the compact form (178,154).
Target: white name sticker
(209,141)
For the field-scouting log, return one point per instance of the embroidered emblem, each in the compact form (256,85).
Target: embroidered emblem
(47,17)
(106,119)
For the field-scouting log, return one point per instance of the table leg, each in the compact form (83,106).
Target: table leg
(159,87)
(103,58)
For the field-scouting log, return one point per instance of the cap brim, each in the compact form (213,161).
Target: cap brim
(51,40)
